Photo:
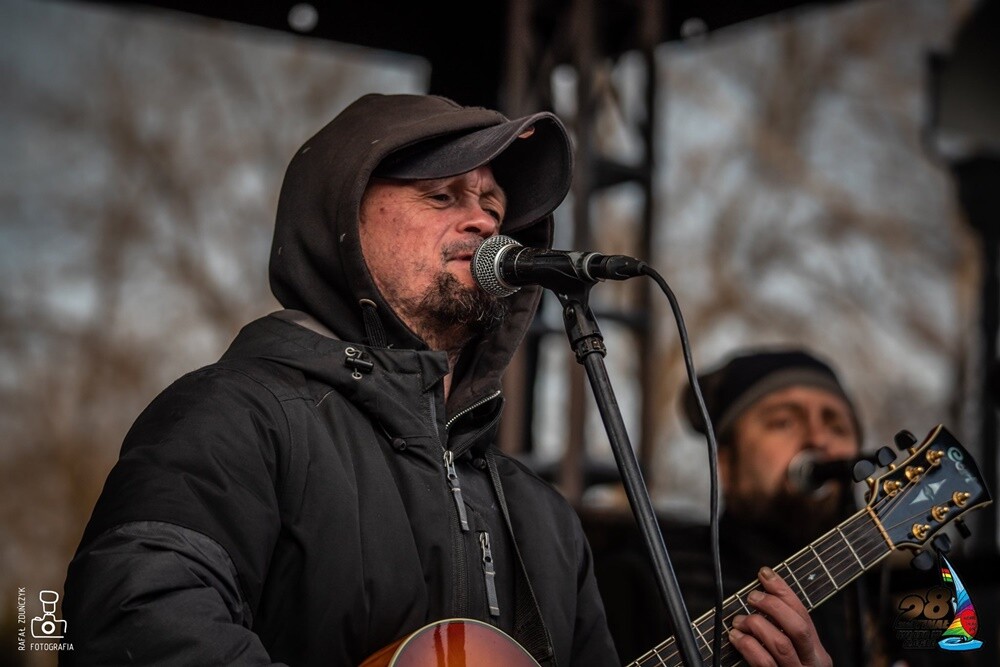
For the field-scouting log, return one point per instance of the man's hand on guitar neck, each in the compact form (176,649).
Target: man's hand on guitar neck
(782,633)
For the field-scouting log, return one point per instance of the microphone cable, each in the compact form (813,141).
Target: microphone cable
(713,457)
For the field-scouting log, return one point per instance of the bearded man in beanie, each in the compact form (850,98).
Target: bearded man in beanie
(768,407)
(331,485)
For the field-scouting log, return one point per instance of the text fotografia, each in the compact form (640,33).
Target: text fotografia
(45,630)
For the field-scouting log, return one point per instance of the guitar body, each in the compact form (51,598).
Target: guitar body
(454,642)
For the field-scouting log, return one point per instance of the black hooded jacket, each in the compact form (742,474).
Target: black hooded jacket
(292,503)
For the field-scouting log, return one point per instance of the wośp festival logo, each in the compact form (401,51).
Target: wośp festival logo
(44,632)
(943,618)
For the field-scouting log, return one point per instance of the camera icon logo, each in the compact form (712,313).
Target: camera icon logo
(47,626)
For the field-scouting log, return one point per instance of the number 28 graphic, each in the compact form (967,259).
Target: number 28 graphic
(936,605)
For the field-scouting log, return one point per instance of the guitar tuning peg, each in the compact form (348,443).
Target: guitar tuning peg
(963,528)
(904,440)
(923,561)
(941,544)
(863,469)
(885,456)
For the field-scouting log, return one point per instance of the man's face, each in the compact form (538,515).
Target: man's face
(418,238)
(767,437)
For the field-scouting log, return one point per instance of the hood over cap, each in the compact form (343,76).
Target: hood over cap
(316,263)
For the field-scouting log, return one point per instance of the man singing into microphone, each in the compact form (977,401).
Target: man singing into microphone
(771,409)
(331,484)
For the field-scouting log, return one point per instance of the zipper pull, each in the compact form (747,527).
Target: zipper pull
(456,490)
(489,574)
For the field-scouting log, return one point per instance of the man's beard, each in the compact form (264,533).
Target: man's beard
(449,314)
(449,303)
(796,519)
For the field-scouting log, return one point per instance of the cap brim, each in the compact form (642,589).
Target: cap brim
(535,170)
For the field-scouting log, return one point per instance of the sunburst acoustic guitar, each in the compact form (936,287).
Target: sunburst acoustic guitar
(906,507)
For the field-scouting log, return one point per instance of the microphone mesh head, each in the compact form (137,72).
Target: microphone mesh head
(486,265)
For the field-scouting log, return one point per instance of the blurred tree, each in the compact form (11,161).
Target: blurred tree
(800,207)
(139,206)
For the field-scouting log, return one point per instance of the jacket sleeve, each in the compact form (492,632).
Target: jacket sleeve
(151,593)
(172,562)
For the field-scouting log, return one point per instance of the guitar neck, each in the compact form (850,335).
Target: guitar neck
(815,573)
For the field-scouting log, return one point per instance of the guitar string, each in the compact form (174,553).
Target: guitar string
(832,567)
(732,602)
(850,546)
(728,650)
(846,563)
(867,541)
(854,564)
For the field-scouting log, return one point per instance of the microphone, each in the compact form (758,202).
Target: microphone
(501,266)
(808,475)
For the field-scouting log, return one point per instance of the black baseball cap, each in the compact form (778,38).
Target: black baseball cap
(531,158)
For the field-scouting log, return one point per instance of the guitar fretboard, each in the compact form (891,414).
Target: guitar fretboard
(815,573)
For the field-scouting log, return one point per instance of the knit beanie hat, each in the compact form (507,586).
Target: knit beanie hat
(730,389)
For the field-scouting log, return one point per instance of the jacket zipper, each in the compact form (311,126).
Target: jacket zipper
(456,488)
(460,575)
(451,475)
(449,465)
(489,574)
(472,407)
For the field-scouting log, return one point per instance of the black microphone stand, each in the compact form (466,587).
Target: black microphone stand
(588,345)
